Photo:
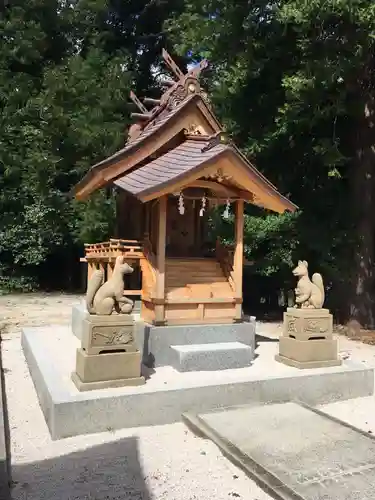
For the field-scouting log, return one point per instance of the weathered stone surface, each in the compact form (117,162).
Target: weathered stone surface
(107,333)
(305,324)
(107,370)
(309,351)
(307,340)
(107,298)
(295,451)
(309,293)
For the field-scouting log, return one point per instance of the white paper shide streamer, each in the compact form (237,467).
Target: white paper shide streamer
(226,211)
(181,206)
(203,208)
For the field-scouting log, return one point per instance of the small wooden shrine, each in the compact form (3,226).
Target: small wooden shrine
(176,164)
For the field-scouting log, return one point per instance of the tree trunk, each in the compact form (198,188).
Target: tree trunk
(363,206)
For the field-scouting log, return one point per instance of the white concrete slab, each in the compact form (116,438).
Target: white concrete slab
(50,354)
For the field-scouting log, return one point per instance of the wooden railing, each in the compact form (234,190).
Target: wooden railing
(112,248)
(103,256)
(225,257)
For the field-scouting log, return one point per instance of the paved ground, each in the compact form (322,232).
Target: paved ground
(310,454)
(166,462)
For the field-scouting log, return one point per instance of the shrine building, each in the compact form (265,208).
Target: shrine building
(176,165)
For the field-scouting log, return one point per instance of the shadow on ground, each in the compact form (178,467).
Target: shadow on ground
(259,340)
(264,338)
(111,471)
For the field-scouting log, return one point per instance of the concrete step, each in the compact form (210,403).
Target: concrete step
(209,357)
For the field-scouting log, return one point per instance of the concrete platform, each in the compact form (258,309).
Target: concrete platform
(154,342)
(293,451)
(208,357)
(50,354)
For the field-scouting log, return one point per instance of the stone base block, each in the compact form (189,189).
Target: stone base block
(308,350)
(307,364)
(208,357)
(79,314)
(159,339)
(107,368)
(105,384)
(108,333)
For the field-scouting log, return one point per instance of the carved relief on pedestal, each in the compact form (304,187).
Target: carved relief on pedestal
(317,326)
(291,326)
(110,335)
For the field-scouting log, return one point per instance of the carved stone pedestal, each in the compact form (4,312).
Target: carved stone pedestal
(102,334)
(307,340)
(108,356)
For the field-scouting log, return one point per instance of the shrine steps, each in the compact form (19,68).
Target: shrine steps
(213,356)
(196,278)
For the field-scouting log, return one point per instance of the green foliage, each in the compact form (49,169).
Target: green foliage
(95,218)
(267,239)
(66,69)
(292,81)
(46,147)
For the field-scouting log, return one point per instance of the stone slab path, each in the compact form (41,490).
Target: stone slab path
(294,451)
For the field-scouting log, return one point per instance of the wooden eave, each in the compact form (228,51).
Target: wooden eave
(152,138)
(184,165)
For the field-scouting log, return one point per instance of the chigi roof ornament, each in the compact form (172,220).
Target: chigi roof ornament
(180,88)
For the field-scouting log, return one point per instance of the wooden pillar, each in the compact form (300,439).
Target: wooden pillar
(147,219)
(238,256)
(160,261)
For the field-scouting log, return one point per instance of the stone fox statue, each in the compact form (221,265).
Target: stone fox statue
(309,293)
(105,298)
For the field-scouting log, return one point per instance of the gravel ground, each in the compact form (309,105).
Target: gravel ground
(165,462)
(35,309)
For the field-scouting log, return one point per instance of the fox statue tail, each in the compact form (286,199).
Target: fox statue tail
(93,286)
(318,281)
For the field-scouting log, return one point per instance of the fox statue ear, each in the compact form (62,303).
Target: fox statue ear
(305,262)
(299,262)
